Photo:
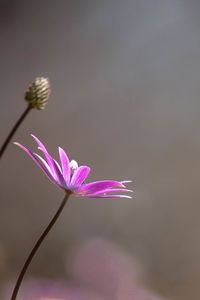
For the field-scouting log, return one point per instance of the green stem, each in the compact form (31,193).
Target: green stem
(5,144)
(37,245)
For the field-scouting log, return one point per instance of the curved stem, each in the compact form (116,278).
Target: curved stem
(5,144)
(35,248)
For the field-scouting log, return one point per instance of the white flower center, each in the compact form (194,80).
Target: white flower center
(73,165)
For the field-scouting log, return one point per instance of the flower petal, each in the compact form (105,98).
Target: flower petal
(126,181)
(46,154)
(56,170)
(105,196)
(44,163)
(52,163)
(65,164)
(44,169)
(112,191)
(79,176)
(59,174)
(58,178)
(98,186)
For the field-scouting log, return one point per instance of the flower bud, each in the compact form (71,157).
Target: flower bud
(38,93)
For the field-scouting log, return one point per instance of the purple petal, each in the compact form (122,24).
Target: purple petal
(57,179)
(97,186)
(46,154)
(105,196)
(80,175)
(125,181)
(57,164)
(59,174)
(56,170)
(65,164)
(44,163)
(112,191)
(44,169)
(52,163)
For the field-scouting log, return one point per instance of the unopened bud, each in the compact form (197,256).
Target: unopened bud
(38,93)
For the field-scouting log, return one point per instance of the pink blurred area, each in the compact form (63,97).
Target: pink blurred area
(40,289)
(106,268)
(97,270)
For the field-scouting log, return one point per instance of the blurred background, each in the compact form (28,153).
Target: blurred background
(125,81)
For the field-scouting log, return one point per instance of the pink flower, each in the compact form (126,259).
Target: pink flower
(70,177)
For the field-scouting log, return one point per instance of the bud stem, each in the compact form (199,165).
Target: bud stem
(37,245)
(5,144)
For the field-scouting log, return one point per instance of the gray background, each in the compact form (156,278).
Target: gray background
(125,79)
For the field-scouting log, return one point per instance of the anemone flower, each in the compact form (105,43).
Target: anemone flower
(70,177)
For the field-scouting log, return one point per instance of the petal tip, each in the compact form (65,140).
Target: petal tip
(124,182)
(17,144)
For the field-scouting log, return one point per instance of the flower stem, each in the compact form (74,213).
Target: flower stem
(37,245)
(5,144)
